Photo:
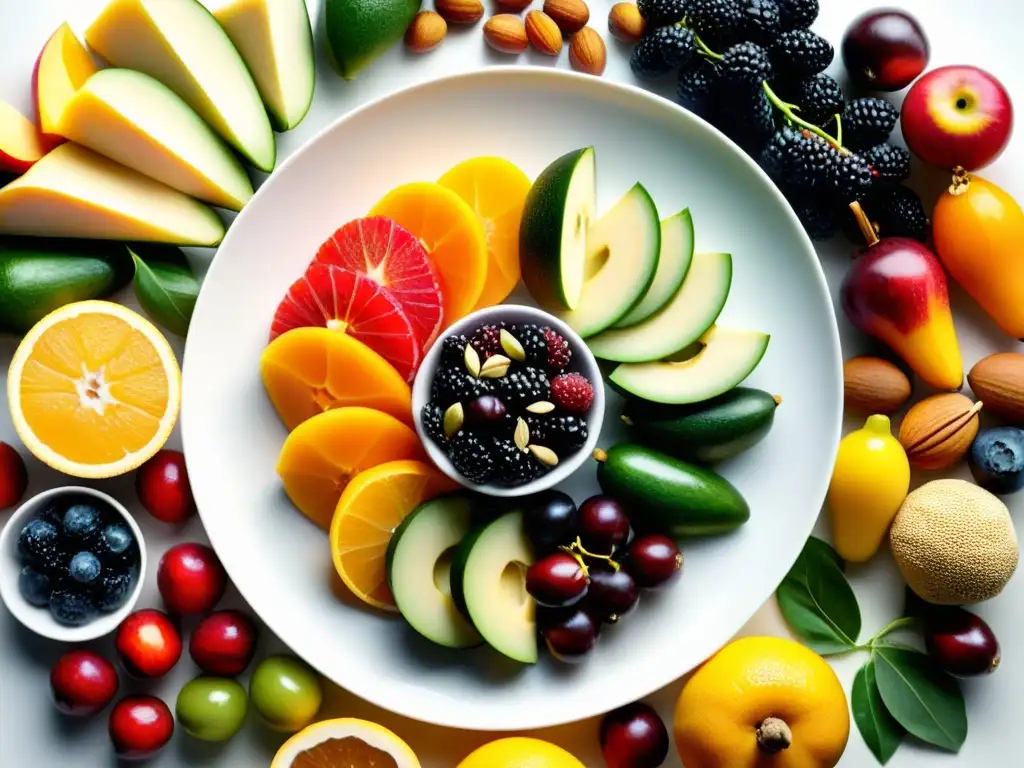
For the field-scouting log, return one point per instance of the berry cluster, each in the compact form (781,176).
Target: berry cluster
(503,405)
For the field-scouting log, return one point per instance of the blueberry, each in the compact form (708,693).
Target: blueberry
(82,523)
(114,590)
(117,547)
(85,568)
(35,586)
(997,459)
(39,544)
(71,607)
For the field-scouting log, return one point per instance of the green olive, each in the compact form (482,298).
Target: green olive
(211,708)
(286,692)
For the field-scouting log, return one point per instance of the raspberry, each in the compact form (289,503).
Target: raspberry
(487,341)
(867,122)
(890,163)
(801,53)
(572,392)
(559,355)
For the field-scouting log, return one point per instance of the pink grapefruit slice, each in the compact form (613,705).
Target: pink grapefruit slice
(385,252)
(350,302)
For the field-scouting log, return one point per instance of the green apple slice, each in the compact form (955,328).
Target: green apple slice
(673,264)
(180,44)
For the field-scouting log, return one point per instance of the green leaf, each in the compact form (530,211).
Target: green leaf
(923,699)
(879,729)
(817,601)
(166,291)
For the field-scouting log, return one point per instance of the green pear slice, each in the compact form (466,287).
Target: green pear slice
(275,40)
(179,43)
(74,192)
(139,122)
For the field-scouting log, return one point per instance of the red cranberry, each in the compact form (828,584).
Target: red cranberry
(82,683)
(139,727)
(634,736)
(191,578)
(557,580)
(162,485)
(148,644)
(653,560)
(960,642)
(13,476)
(224,643)
(603,525)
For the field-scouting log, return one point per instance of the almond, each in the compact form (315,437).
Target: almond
(873,385)
(999,381)
(939,430)
(570,15)
(460,11)
(426,32)
(587,52)
(506,32)
(543,33)
(625,22)
(514,6)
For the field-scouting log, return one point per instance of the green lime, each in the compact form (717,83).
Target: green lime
(211,708)
(359,31)
(286,692)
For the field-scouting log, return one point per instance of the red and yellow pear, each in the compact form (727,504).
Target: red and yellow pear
(62,68)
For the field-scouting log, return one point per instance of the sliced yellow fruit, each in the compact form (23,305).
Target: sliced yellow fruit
(345,743)
(520,752)
(94,389)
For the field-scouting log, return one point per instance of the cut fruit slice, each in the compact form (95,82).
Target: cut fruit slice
(496,190)
(373,505)
(73,192)
(141,123)
(275,40)
(623,248)
(694,309)
(311,370)
(673,264)
(452,235)
(182,45)
(323,453)
(559,210)
(63,66)
(488,578)
(94,390)
(728,356)
(349,302)
(20,144)
(419,563)
(345,743)
(380,249)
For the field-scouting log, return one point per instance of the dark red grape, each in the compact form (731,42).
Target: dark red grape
(960,642)
(573,638)
(885,50)
(612,594)
(654,559)
(634,736)
(557,581)
(550,521)
(603,525)
(486,409)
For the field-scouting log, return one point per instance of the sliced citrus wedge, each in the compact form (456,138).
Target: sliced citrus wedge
(373,505)
(496,191)
(345,743)
(94,389)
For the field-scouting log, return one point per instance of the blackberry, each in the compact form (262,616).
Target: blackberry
(807,161)
(818,216)
(819,98)
(718,22)
(559,354)
(453,385)
(760,21)
(800,53)
(453,350)
(538,424)
(696,82)
(660,13)
(531,338)
(773,157)
(512,465)
(797,14)
(744,66)
(522,387)
(899,212)
(851,176)
(566,433)
(661,51)
(433,422)
(487,341)
(867,122)
(471,457)
(749,121)
(890,163)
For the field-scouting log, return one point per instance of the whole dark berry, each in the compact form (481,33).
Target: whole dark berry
(35,586)
(718,22)
(523,387)
(433,422)
(558,432)
(746,118)
(899,212)
(114,589)
(454,385)
(851,177)
(819,98)
(800,53)
(38,542)
(559,354)
(660,13)
(867,122)
(82,524)
(890,163)
(71,607)
(744,66)
(531,339)
(760,21)
(487,341)
(797,14)
(512,465)
(486,411)
(117,548)
(472,457)
(453,350)
(85,568)
(661,51)
(695,86)
(817,213)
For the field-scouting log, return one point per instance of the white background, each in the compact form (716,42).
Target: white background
(986,33)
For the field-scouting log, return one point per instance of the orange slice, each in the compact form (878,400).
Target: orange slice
(94,389)
(453,236)
(323,453)
(496,191)
(307,371)
(373,505)
(345,743)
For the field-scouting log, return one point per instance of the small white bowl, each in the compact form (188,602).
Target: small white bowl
(582,362)
(39,620)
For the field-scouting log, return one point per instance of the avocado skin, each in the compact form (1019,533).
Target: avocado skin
(360,31)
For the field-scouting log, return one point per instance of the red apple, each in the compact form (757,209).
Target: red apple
(20,144)
(61,68)
(224,643)
(13,476)
(139,727)
(191,578)
(162,485)
(82,683)
(957,116)
(148,644)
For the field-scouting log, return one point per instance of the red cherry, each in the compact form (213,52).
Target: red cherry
(148,644)
(190,578)
(13,476)
(162,485)
(961,642)
(224,643)
(634,736)
(139,727)
(653,560)
(557,581)
(603,525)
(82,683)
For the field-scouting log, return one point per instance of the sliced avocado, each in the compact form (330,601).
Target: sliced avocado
(727,357)
(359,31)
(622,256)
(680,323)
(673,264)
(489,583)
(419,561)
(557,214)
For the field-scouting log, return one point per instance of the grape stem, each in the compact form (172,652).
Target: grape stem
(787,110)
(704,49)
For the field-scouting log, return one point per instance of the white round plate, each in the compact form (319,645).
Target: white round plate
(281,563)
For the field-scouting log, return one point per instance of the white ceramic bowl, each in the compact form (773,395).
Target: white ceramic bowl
(39,620)
(582,362)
